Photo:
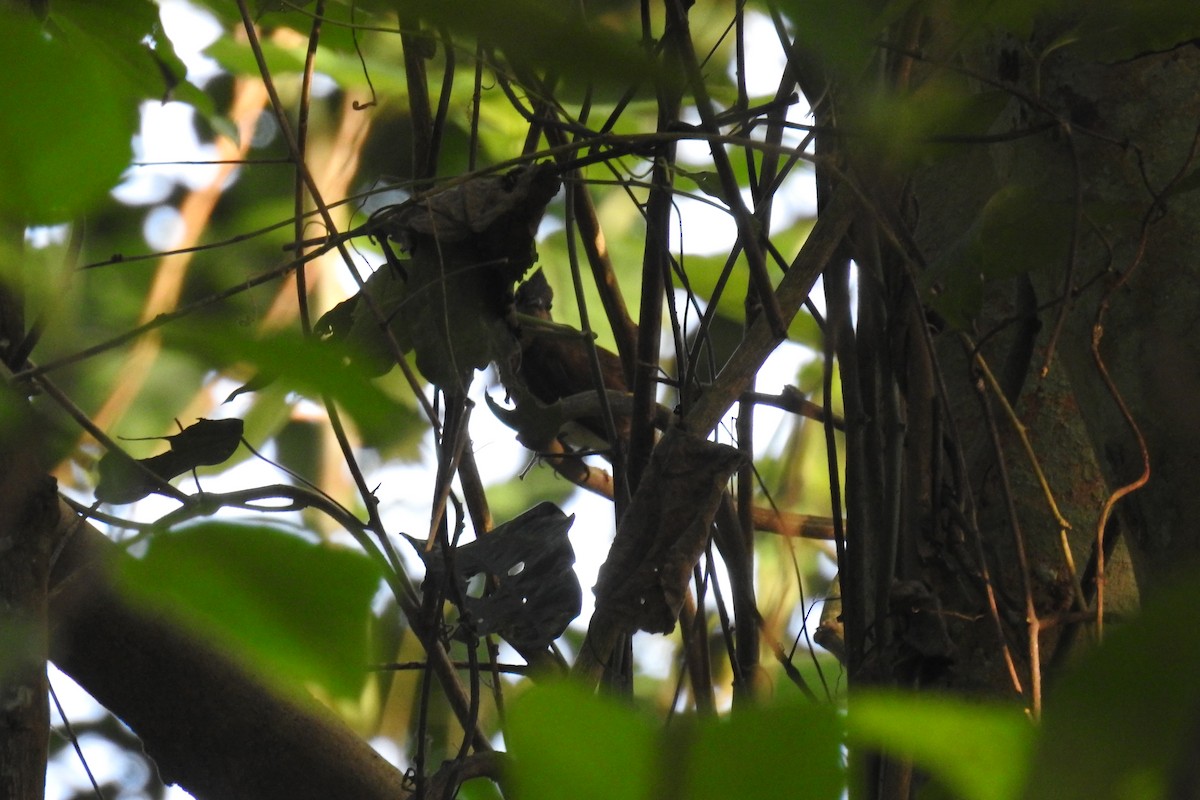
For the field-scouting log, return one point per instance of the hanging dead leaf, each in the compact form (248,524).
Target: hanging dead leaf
(536,592)
(498,215)
(467,246)
(665,530)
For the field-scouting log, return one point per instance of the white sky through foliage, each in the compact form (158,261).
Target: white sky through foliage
(167,134)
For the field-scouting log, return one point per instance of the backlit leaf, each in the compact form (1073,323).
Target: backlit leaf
(980,751)
(1123,723)
(306,366)
(296,610)
(66,120)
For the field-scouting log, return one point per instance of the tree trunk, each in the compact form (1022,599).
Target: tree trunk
(28,512)
(986,452)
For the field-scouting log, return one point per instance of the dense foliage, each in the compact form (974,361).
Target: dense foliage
(327,372)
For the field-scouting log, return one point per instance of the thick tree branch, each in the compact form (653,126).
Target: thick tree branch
(209,725)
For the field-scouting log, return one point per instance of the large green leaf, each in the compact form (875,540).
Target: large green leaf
(546,732)
(980,751)
(788,749)
(1125,723)
(294,611)
(305,366)
(782,750)
(127,36)
(67,117)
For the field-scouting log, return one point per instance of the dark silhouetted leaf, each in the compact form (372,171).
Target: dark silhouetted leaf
(468,245)
(206,443)
(664,531)
(498,214)
(352,326)
(537,592)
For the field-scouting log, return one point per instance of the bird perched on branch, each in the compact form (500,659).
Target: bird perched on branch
(555,364)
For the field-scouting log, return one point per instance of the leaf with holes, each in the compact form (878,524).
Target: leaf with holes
(536,592)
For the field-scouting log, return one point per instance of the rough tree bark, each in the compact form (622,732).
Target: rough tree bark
(957,570)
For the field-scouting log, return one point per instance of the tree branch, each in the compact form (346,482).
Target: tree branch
(209,725)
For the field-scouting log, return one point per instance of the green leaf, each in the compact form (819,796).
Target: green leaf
(304,366)
(706,181)
(67,117)
(785,749)
(125,35)
(386,75)
(511,497)
(1022,228)
(293,611)
(703,273)
(479,789)
(752,753)
(954,292)
(979,751)
(546,732)
(840,33)
(1116,30)
(1126,720)
(914,127)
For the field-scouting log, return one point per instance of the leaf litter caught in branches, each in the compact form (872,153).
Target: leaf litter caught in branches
(536,592)
(467,245)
